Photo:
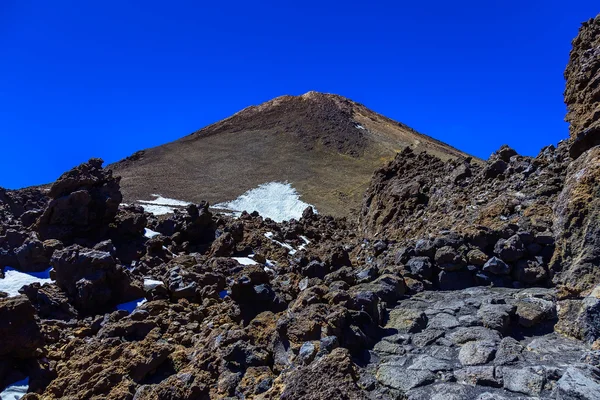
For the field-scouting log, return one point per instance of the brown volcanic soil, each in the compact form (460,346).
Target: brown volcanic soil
(313,141)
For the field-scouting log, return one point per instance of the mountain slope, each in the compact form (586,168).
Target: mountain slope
(326,146)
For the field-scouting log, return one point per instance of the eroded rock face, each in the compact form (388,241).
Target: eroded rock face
(577,222)
(582,94)
(84,202)
(416,196)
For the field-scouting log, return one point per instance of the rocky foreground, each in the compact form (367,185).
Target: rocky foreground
(457,280)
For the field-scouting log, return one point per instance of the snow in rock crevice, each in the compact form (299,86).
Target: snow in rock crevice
(291,250)
(149,233)
(306,242)
(15,280)
(276,200)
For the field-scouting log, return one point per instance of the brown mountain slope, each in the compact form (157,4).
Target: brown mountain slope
(325,145)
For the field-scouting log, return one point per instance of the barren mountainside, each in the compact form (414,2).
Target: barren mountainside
(325,145)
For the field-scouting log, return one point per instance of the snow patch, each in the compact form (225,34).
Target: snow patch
(150,284)
(359,126)
(276,200)
(16,390)
(15,280)
(131,305)
(245,260)
(162,205)
(165,201)
(158,210)
(149,233)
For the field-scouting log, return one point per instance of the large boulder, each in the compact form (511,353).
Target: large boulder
(34,255)
(85,200)
(19,330)
(50,302)
(582,93)
(580,318)
(92,278)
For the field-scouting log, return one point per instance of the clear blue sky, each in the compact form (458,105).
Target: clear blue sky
(83,79)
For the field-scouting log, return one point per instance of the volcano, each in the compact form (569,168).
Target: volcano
(324,145)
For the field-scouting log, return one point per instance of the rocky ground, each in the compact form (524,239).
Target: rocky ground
(457,280)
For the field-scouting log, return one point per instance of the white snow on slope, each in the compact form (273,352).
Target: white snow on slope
(162,205)
(276,200)
(158,210)
(15,280)
(165,201)
(16,390)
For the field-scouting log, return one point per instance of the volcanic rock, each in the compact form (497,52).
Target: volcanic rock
(582,91)
(84,202)
(92,278)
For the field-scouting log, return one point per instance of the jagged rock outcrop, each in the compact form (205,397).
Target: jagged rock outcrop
(582,94)
(453,229)
(84,202)
(417,194)
(21,207)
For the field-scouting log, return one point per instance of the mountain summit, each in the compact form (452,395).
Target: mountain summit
(326,146)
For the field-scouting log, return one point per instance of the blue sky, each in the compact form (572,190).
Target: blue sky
(85,79)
